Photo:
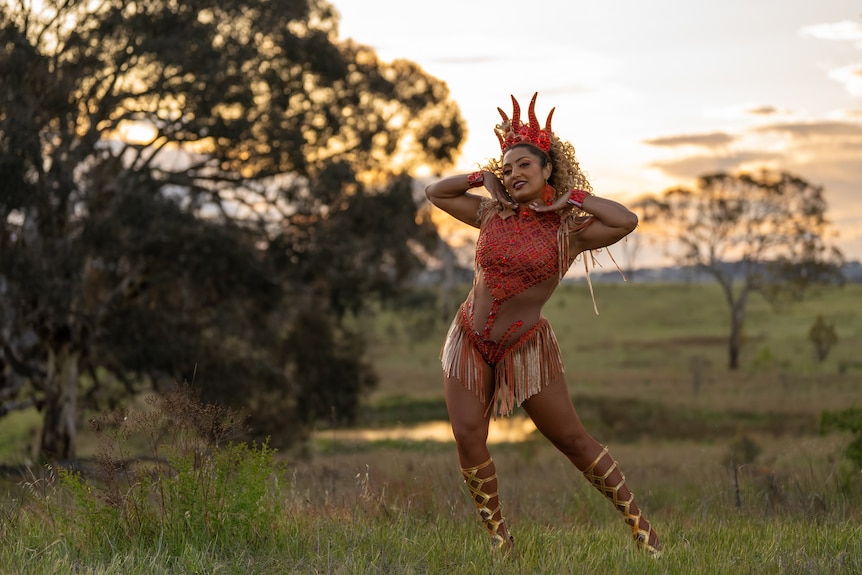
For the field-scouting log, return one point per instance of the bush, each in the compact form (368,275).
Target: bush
(846,420)
(823,336)
(195,487)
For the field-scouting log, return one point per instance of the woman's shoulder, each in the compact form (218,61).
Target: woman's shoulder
(488,208)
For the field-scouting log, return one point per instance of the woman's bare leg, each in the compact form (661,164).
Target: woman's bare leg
(555,417)
(470,427)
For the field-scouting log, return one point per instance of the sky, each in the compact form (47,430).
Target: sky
(652,94)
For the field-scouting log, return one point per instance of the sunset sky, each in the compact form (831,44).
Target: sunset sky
(652,94)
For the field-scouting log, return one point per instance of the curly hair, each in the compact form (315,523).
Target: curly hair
(566,172)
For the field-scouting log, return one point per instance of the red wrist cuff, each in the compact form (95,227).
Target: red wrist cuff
(476,179)
(576,198)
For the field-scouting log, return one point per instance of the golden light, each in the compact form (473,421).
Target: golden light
(138,133)
(513,429)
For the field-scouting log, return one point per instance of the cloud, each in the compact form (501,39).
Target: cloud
(850,76)
(813,130)
(695,166)
(762,110)
(845,30)
(736,114)
(842,175)
(711,140)
(827,149)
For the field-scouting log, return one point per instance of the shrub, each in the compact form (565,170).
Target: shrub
(195,486)
(823,336)
(846,420)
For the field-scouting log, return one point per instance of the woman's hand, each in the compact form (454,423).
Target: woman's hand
(498,191)
(558,204)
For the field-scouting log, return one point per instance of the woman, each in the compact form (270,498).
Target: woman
(500,352)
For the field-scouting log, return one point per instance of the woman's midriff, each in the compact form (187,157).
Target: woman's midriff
(516,270)
(497,324)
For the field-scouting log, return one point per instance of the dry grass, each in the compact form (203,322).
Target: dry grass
(399,506)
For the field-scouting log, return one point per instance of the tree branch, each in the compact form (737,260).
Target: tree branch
(21,368)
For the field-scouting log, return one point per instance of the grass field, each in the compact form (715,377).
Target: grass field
(663,346)
(650,380)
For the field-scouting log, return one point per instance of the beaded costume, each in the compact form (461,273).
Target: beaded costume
(499,331)
(520,259)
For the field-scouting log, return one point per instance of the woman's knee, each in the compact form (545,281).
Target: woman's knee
(469,433)
(471,439)
(467,416)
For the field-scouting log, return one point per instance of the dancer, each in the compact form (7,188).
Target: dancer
(500,352)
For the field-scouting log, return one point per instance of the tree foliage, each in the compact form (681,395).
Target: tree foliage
(764,233)
(187,189)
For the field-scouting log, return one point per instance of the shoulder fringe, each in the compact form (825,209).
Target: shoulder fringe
(572,224)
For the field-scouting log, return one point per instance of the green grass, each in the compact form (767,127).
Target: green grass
(17,431)
(406,511)
(663,345)
(668,318)
(399,506)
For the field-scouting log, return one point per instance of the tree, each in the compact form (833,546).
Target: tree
(184,186)
(823,336)
(764,232)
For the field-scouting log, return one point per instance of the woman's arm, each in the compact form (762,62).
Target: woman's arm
(611,221)
(452,195)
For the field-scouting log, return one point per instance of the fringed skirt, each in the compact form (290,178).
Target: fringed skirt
(520,371)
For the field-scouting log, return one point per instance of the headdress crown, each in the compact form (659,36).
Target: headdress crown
(514,131)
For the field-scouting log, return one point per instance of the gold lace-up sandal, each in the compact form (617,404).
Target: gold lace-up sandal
(604,474)
(482,496)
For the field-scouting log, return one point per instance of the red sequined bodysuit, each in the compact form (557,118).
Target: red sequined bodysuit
(520,259)
(516,272)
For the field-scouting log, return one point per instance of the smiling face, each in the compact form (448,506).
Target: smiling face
(525,172)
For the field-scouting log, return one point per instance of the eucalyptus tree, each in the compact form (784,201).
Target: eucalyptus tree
(763,232)
(201,190)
